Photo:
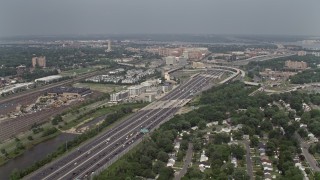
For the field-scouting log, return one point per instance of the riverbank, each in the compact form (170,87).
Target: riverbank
(33,154)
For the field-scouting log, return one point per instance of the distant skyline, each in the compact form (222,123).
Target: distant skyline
(82,17)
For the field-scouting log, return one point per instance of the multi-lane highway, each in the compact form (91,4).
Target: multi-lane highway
(90,157)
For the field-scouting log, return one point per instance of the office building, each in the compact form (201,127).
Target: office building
(149,97)
(109,46)
(182,61)
(136,90)
(302,53)
(171,60)
(40,61)
(296,65)
(119,96)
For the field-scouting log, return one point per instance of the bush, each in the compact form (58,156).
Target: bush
(30,138)
(49,131)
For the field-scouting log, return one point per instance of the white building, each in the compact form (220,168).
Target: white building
(119,96)
(171,60)
(171,162)
(302,53)
(13,88)
(136,90)
(317,54)
(203,157)
(149,97)
(48,79)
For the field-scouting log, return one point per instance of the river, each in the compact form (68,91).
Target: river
(34,154)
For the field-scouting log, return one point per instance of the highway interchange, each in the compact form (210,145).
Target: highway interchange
(83,162)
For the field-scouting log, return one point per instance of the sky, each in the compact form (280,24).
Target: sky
(86,17)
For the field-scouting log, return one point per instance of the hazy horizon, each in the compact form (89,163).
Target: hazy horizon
(217,17)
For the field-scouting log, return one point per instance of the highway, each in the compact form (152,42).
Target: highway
(81,163)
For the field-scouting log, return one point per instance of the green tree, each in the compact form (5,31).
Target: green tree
(30,138)
(240,174)
(166,173)
(162,156)
(237,151)
(254,141)
(4,151)
(157,166)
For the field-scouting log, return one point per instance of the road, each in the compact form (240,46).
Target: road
(248,159)
(187,162)
(309,157)
(92,156)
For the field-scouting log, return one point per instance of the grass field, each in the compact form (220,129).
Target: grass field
(78,71)
(105,88)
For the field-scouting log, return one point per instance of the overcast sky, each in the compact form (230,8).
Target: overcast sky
(81,17)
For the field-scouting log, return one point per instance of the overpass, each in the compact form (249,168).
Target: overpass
(252,83)
(259,58)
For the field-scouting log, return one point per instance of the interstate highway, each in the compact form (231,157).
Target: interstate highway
(84,161)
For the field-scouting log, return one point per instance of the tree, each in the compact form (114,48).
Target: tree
(202,124)
(180,155)
(166,173)
(15,175)
(254,141)
(293,173)
(194,173)
(302,132)
(237,151)
(228,168)
(157,166)
(30,138)
(184,145)
(19,146)
(145,161)
(317,175)
(240,174)
(266,125)
(270,148)
(162,156)
(238,135)
(4,151)
(259,172)
(147,173)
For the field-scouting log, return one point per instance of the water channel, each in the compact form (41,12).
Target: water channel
(34,154)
